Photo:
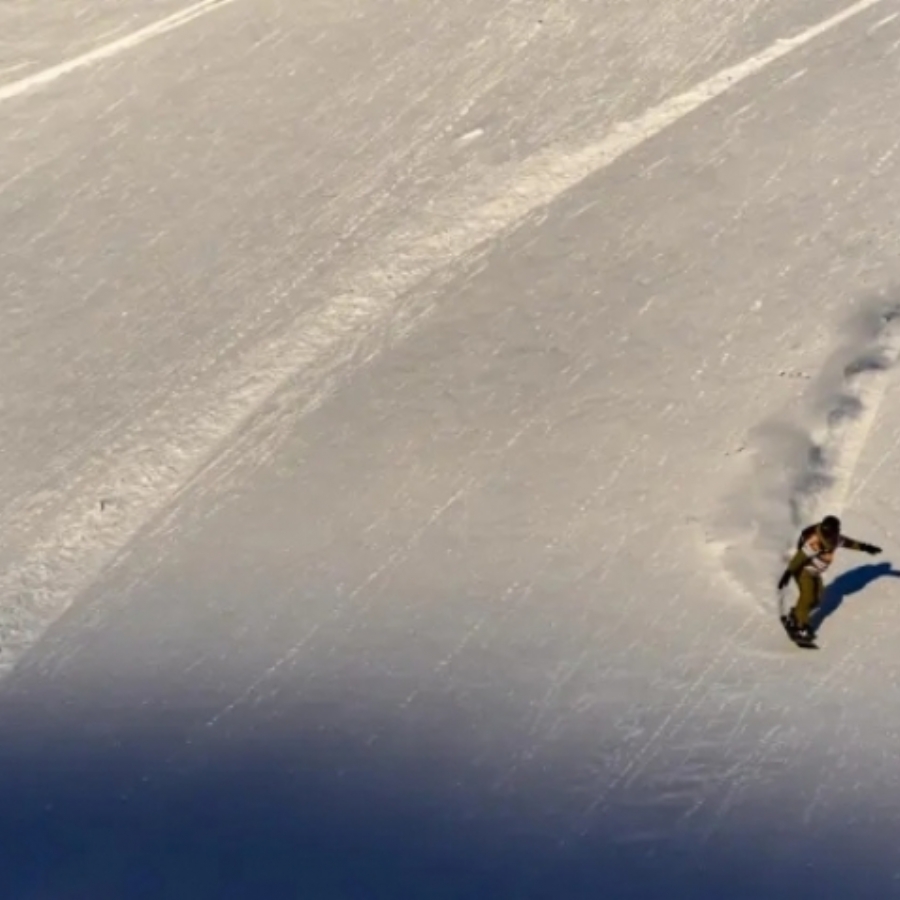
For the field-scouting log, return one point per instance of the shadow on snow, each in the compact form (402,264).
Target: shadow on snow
(101,801)
(852,582)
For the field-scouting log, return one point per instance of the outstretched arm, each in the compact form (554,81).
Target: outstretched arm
(862,546)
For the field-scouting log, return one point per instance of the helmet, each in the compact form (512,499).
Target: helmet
(830,527)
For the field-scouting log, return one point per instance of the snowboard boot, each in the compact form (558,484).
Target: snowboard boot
(804,632)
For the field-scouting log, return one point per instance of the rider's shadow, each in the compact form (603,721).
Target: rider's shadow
(851,582)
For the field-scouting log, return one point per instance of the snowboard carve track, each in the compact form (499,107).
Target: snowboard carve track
(805,466)
(853,410)
(863,367)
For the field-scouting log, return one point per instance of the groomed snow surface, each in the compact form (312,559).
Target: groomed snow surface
(407,409)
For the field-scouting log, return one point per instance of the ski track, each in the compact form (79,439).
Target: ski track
(326,344)
(286,379)
(253,688)
(394,559)
(692,698)
(110,50)
(91,481)
(391,562)
(747,776)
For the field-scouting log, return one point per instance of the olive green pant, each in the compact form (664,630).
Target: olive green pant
(810,596)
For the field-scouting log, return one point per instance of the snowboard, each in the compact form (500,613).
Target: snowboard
(805,643)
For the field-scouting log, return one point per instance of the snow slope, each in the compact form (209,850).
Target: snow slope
(407,406)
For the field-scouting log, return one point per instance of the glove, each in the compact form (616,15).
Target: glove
(783,581)
(871,549)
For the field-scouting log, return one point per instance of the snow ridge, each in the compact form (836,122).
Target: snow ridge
(802,463)
(37,80)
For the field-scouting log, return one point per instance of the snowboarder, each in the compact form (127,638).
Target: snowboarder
(816,547)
